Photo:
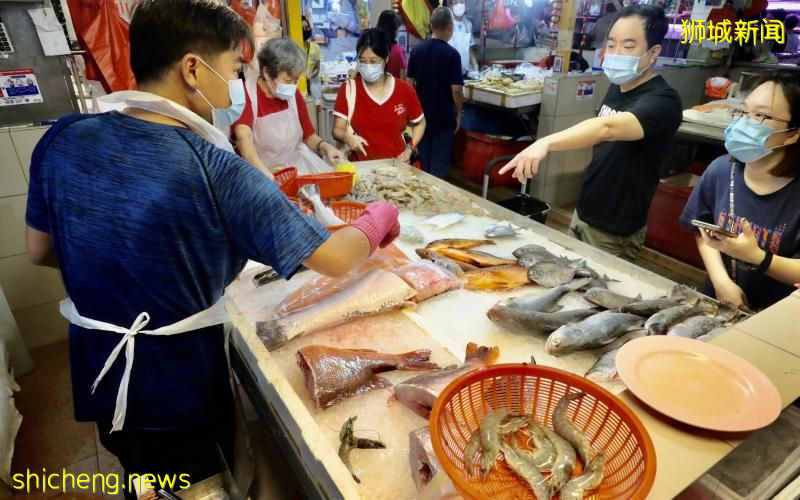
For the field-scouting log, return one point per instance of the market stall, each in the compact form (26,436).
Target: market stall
(445,325)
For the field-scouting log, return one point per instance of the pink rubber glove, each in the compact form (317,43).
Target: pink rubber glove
(379,224)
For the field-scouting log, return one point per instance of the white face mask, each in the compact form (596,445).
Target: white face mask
(285,91)
(370,72)
(459,9)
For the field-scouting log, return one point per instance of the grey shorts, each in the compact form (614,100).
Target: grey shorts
(626,247)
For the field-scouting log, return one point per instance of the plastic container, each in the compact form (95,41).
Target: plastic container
(527,206)
(286,179)
(479,149)
(535,390)
(664,232)
(332,185)
(348,211)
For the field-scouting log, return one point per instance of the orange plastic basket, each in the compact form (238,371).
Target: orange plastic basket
(286,179)
(332,185)
(536,390)
(348,211)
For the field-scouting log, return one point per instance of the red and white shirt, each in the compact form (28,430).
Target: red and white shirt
(381,122)
(268,105)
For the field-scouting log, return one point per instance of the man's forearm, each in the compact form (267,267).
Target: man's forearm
(583,135)
(458,100)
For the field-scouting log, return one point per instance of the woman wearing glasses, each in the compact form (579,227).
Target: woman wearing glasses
(754,192)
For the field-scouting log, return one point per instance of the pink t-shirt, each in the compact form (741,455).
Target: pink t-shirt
(397,61)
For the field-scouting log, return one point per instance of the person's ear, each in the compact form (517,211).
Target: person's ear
(188,68)
(656,52)
(792,137)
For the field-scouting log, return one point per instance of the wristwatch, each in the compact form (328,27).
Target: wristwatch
(318,148)
(764,266)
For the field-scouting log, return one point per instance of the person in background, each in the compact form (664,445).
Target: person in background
(396,65)
(275,128)
(602,25)
(462,38)
(791,45)
(754,192)
(631,138)
(780,16)
(382,109)
(313,59)
(149,215)
(435,71)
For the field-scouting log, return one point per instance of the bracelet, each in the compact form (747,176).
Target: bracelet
(318,148)
(764,266)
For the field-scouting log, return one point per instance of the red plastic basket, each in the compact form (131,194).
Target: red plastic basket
(332,185)
(348,211)
(286,179)
(535,390)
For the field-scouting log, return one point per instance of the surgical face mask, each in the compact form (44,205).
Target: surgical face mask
(745,139)
(285,91)
(622,69)
(370,72)
(459,9)
(224,117)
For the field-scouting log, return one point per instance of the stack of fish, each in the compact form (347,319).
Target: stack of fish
(555,452)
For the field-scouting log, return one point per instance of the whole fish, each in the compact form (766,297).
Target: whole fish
(474,257)
(323,214)
(694,327)
(576,488)
(648,308)
(420,392)
(593,332)
(565,463)
(551,273)
(526,471)
(376,292)
(454,243)
(687,294)
(471,450)
(566,429)
(490,439)
(496,278)
(660,322)
(605,368)
(535,322)
(544,301)
(537,250)
(333,375)
(500,231)
(727,312)
(713,334)
(600,282)
(422,458)
(608,299)
(443,261)
(544,456)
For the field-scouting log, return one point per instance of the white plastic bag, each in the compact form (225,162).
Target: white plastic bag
(307,162)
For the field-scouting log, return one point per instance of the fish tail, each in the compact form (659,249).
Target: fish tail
(417,360)
(272,333)
(486,355)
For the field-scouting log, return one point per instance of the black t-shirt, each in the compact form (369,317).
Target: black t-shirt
(775,219)
(436,66)
(622,177)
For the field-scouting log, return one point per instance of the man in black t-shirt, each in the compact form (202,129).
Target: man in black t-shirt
(631,138)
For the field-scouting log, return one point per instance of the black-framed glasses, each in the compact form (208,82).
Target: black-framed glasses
(756,116)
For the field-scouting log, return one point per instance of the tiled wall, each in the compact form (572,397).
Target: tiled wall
(32,291)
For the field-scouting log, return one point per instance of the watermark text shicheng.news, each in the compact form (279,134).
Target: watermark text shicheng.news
(725,31)
(104,484)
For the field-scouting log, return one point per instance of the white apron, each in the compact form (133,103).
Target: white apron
(460,41)
(279,137)
(214,315)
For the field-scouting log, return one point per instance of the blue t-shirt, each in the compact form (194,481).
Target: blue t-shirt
(151,217)
(775,219)
(435,66)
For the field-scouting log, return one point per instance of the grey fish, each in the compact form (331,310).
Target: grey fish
(528,260)
(608,299)
(694,327)
(660,322)
(576,488)
(687,294)
(600,282)
(543,301)
(536,322)
(605,368)
(421,457)
(538,250)
(716,332)
(551,273)
(649,307)
(595,331)
(727,312)
(500,231)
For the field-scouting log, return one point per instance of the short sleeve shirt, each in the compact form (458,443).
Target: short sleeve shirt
(397,61)
(268,105)
(435,67)
(381,122)
(775,218)
(152,218)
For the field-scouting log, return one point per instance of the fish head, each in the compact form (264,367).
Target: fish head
(561,340)
(417,396)
(497,311)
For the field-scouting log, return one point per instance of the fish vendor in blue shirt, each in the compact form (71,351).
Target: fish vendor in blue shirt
(149,215)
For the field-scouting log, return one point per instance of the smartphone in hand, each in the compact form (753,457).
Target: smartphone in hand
(713,228)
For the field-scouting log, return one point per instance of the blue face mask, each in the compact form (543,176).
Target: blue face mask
(622,69)
(223,118)
(745,139)
(370,72)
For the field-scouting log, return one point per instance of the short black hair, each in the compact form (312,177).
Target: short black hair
(163,31)
(610,8)
(376,40)
(789,82)
(777,14)
(389,22)
(792,20)
(441,18)
(655,22)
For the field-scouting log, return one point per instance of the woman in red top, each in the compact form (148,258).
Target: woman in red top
(384,106)
(397,64)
